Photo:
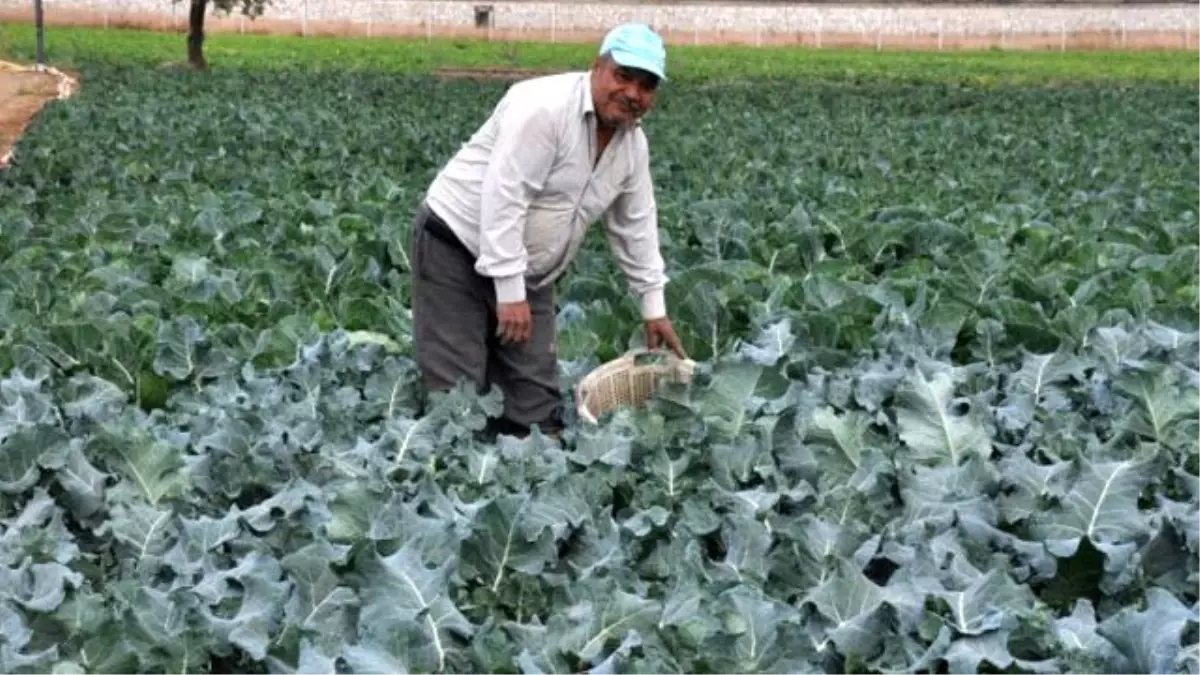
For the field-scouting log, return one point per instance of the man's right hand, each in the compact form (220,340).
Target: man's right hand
(514,322)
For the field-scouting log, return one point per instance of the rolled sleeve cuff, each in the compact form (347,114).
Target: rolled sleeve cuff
(654,305)
(510,289)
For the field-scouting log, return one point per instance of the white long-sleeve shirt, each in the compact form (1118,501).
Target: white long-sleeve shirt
(522,192)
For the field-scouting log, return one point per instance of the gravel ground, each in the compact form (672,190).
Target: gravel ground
(570,16)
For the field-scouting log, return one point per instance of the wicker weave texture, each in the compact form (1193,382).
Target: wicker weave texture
(623,382)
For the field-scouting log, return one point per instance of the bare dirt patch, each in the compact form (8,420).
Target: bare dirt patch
(22,95)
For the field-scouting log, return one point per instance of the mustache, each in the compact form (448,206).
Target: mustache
(629,105)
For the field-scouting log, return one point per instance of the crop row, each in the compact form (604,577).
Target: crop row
(945,417)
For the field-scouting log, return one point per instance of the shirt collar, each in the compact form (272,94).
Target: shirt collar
(587,106)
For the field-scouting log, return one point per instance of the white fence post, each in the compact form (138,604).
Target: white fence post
(941,35)
(304,20)
(554,22)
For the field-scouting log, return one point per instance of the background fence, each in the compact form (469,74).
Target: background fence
(939,26)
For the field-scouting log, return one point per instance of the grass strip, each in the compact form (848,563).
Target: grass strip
(73,46)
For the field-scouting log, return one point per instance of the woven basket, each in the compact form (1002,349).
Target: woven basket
(625,382)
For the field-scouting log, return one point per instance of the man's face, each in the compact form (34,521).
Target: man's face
(621,95)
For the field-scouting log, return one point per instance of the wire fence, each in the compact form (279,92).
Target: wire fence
(947,26)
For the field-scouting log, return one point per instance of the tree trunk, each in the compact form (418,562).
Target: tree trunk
(195,38)
(39,21)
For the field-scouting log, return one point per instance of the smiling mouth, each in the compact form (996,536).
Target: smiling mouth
(624,105)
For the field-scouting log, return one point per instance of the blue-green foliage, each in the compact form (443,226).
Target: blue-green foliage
(945,419)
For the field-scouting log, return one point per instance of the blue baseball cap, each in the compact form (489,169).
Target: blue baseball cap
(636,45)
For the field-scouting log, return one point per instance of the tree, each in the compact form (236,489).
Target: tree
(195,37)
(39,21)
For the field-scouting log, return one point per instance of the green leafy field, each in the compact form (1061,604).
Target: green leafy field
(69,45)
(946,417)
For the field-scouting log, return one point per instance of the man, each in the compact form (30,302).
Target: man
(507,214)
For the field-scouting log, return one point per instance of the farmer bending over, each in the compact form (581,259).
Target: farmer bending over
(504,218)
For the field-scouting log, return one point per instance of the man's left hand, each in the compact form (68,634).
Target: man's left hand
(660,333)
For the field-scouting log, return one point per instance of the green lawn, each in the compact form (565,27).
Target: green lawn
(72,46)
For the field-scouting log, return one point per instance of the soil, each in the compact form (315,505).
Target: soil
(22,95)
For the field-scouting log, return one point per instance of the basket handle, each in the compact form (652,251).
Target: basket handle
(646,351)
(630,355)
(664,351)
(581,391)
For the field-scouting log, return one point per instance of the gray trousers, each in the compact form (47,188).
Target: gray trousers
(454,326)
